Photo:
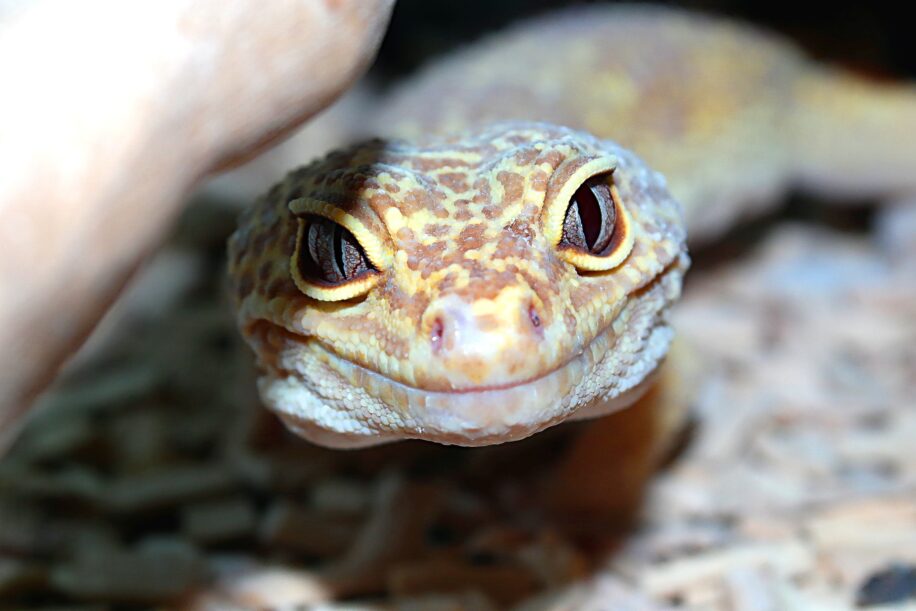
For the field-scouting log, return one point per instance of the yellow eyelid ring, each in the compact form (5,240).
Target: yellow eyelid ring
(375,249)
(378,252)
(622,246)
(556,213)
(558,202)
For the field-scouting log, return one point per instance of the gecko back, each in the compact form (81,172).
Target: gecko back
(732,115)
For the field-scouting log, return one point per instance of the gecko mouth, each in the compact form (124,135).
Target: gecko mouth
(359,371)
(496,414)
(336,402)
(482,413)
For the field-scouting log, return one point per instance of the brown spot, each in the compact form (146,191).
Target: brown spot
(416,200)
(436,230)
(539,180)
(513,245)
(517,139)
(405,234)
(513,186)
(482,186)
(380,202)
(551,158)
(411,307)
(429,255)
(472,236)
(526,156)
(521,229)
(448,282)
(456,181)
(491,212)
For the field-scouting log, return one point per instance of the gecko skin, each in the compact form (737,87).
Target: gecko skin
(476,283)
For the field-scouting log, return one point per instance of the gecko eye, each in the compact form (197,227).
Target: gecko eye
(593,229)
(329,263)
(329,254)
(590,223)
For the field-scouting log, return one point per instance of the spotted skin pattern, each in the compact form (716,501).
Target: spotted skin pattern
(476,329)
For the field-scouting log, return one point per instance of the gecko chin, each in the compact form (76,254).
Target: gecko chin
(335,402)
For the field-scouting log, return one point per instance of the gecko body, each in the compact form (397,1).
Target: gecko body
(505,265)
(731,114)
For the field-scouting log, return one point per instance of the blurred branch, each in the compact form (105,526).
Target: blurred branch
(110,113)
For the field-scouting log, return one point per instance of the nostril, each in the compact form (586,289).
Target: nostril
(436,332)
(533,316)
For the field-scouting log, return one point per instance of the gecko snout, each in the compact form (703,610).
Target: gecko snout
(486,342)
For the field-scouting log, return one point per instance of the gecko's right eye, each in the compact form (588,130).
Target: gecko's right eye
(328,262)
(330,254)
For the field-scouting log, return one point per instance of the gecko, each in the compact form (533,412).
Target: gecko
(505,256)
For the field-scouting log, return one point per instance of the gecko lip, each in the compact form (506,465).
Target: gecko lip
(484,414)
(341,360)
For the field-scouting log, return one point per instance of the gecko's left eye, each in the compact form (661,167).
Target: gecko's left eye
(591,218)
(589,222)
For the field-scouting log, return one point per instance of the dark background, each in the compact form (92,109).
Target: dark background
(875,38)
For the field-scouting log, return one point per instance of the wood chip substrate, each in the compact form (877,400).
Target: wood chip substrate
(151,477)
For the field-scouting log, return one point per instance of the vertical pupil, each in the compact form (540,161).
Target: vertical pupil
(338,242)
(330,253)
(589,213)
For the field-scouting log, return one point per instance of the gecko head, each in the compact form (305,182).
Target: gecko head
(468,290)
